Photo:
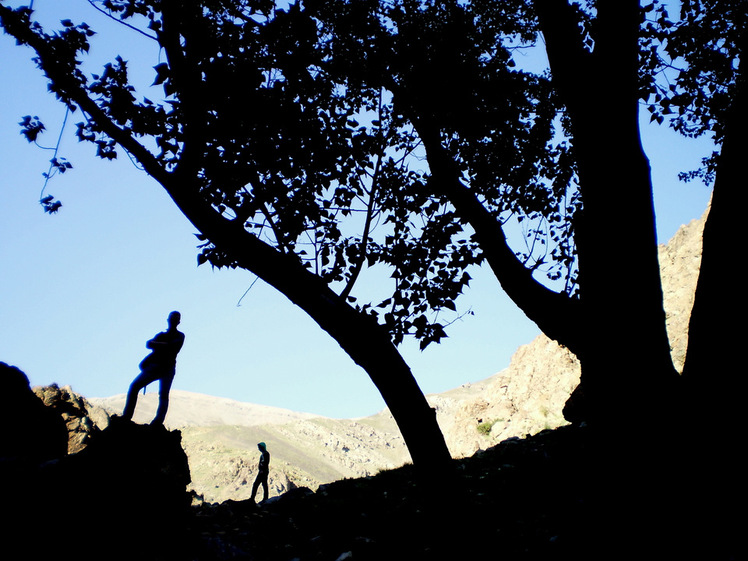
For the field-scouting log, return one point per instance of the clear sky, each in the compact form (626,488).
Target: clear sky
(81,291)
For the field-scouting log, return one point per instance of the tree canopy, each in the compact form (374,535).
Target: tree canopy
(289,136)
(266,155)
(294,164)
(315,141)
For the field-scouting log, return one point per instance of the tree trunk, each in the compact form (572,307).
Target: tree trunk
(714,372)
(358,334)
(619,279)
(370,346)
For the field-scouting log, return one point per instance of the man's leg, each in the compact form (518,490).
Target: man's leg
(265,487)
(163,399)
(143,379)
(255,485)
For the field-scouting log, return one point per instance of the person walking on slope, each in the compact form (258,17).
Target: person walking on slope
(262,475)
(160,365)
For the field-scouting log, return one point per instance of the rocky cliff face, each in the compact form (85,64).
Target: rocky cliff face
(530,394)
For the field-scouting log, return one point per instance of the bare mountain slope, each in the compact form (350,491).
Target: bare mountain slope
(308,453)
(188,409)
(220,437)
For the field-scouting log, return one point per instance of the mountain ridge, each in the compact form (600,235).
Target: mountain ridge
(195,409)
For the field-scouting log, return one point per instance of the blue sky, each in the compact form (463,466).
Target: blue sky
(81,291)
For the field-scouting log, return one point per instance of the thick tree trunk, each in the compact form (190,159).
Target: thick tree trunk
(714,370)
(680,492)
(370,346)
(620,287)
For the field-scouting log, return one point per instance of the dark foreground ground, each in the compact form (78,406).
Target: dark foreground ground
(561,494)
(557,495)
(677,493)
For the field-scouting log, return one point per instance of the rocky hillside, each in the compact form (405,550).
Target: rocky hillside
(220,435)
(530,394)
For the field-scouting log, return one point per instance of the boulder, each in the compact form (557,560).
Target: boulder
(32,431)
(122,492)
(82,419)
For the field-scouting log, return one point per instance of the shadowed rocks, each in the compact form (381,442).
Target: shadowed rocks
(123,494)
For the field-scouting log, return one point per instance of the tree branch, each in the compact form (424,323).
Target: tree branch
(554,313)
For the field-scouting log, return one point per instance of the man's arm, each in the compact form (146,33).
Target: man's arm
(153,342)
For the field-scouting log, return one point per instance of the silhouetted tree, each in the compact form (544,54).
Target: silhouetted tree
(605,58)
(450,68)
(605,55)
(262,150)
(503,146)
(594,67)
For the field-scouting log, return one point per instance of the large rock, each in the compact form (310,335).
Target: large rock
(124,496)
(82,419)
(32,432)
(123,492)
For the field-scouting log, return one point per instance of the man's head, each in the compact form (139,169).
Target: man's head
(174,319)
(261,446)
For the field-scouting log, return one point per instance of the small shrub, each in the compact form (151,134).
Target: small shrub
(485,427)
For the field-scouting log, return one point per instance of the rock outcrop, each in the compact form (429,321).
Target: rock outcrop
(36,433)
(122,487)
(82,419)
(530,394)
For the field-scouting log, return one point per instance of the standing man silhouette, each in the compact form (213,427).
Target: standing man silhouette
(262,474)
(160,365)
